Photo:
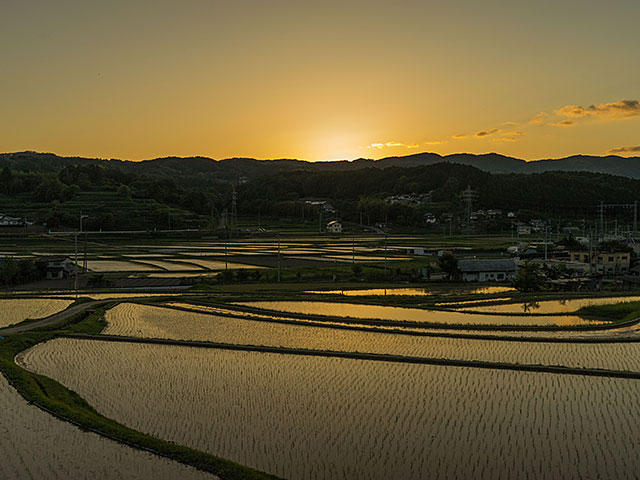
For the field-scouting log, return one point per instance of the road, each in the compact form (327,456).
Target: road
(55,318)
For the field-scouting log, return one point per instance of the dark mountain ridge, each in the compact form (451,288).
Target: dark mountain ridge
(233,169)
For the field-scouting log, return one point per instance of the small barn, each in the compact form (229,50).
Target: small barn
(491,270)
(56,267)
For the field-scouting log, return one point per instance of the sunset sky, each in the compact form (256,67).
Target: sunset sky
(319,80)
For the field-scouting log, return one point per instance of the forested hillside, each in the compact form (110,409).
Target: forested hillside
(155,197)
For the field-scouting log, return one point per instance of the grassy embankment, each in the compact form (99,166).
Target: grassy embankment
(67,405)
(617,312)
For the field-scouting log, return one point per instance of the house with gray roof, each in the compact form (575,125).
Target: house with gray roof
(490,270)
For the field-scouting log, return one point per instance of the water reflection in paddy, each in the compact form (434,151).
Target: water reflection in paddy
(412,314)
(552,306)
(413,291)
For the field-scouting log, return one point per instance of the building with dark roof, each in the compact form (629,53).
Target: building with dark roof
(490,270)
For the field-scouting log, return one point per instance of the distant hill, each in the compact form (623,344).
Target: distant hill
(199,170)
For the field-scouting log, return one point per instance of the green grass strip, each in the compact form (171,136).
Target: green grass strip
(65,404)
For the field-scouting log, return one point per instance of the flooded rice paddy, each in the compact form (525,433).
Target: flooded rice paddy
(225,312)
(415,291)
(327,418)
(411,314)
(217,264)
(16,310)
(552,306)
(171,266)
(35,445)
(153,322)
(118,266)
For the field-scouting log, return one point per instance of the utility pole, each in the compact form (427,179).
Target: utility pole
(75,270)
(546,235)
(590,251)
(602,219)
(385,254)
(353,249)
(226,262)
(278,258)
(234,207)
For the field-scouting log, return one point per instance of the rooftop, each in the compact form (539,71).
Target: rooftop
(489,265)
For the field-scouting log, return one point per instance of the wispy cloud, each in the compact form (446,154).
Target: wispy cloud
(509,136)
(563,123)
(616,150)
(435,142)
(458,136)
(613,110)
(486,133)
(509,123)
(393,145)
(539,118)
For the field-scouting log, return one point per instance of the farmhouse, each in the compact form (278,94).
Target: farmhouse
(609,263)
(7,221)
(487,270)
(56,267)
(334,227)
(524,229)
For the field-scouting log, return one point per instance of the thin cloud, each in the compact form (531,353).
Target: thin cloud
(564,123)
(613,110)
(486,133)
(509,123)
(435,142)
(539,118)
(509,136)
(459,136)
(616,150)
(393,145)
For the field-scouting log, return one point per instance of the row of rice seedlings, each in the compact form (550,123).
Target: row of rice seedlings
(264,317)
(117,266)
(218,264)
(417,292)
(16,310)
(199,273)
(152,322)
(553,306)
(323,418)
(411,314)
(172,266)
(34,444)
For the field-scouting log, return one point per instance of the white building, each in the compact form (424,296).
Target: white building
(334,227)
(7,221)
(524,229)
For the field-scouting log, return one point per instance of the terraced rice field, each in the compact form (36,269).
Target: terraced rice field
(33,444)
(224,312)
(117,266)
(553,306)
(414,291)
(323,418)
(16,310)
(199,273)
(364,258)
(411,314)
(149,322)
(217,264)
(171,266)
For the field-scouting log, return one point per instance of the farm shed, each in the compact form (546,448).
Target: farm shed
(498,270)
